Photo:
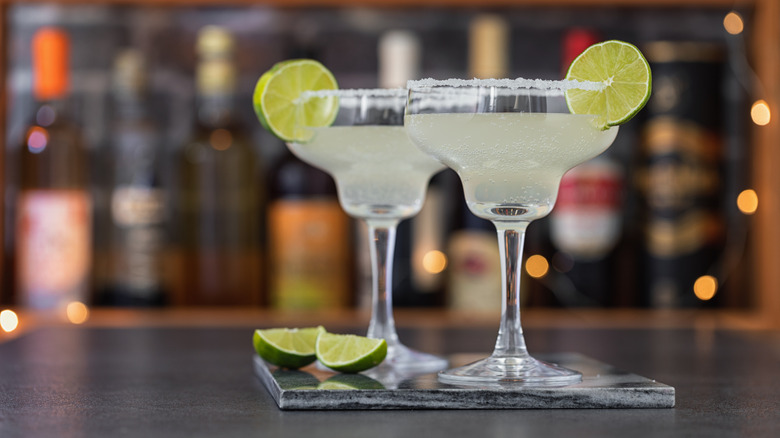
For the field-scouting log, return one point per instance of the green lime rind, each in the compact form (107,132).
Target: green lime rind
(627,76)
(350,353)
(287,348)
(275,99)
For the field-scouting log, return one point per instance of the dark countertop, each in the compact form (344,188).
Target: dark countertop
(192,382)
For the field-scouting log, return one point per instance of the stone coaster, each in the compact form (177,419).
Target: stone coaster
(602,386)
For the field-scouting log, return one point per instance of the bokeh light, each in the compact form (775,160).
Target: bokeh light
(705,287)
(37,139)
(537,266)
(45,115)
(77,312)
(747,201)
(434,262)
(733,23)
(760,113)
(221,139)
(8,320)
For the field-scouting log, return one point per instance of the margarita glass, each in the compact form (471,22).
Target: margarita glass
(510,141)
(381,179)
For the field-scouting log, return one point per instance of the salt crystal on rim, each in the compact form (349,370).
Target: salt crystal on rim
(537,84)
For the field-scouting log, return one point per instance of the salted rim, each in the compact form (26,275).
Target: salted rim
(514,84)
(356,92)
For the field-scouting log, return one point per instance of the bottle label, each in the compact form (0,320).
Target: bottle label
(54,248)
(138,213)
(680,183)
(475,271)
(586,221)
(137,206)
(309,249)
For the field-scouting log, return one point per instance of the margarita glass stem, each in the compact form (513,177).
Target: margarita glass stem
(510,342)
(381,235)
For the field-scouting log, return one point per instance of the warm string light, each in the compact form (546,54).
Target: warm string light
(8,320)
(747,201)
(537,266)
(434,262)
(705,287)
(77,312)
(733,23)
(760,113)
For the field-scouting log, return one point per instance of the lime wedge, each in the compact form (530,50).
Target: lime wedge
(623,70)
(276,94)
(287,348)
(350,353)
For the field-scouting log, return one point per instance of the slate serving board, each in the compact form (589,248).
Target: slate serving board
(603,386)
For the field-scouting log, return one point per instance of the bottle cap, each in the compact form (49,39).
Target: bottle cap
(50,53)
(399,58)
(575,41)
(215,73)
(214,41)
(130,72)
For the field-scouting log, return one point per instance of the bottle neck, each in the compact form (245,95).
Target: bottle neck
(215,110)
(130,107)
(216,85)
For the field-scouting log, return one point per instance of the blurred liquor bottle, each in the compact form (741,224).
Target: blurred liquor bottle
(310,263)
(136,214)
(53,226)
(220,190)
(586,223)
(474,272)
(679,175)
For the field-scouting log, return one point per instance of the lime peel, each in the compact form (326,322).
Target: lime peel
(287,348)
(350,353)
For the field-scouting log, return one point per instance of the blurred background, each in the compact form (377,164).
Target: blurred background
(136,173)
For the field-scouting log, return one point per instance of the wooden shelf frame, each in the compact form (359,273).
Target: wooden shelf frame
(766,156)
(764,40)
(704,321)
(410,3)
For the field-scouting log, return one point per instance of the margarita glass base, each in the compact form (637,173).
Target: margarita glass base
(511,369)
(404,359)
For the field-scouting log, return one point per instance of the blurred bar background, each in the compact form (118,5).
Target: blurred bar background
(192,203)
